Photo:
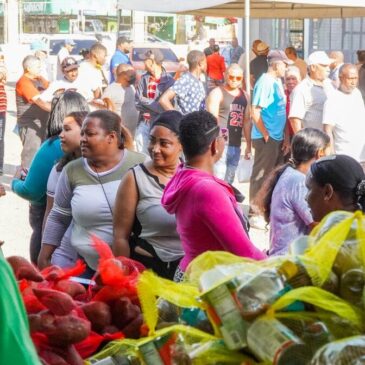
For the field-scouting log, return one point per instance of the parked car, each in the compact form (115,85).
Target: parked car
(171,62)
(148,37)
(56,41)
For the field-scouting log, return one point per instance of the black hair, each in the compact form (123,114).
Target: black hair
(197,131)
(304,147)
(169,119)
(84,52)
(345,175)
(68,157)
(61,106)
(111,122)
(361,55)
(97,47)
(216,48)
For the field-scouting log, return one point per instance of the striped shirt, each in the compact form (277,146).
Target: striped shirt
(151,93)
(3,99)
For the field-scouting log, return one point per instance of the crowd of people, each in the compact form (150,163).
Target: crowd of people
(147,162)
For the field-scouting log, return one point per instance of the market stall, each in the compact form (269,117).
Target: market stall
(298,309)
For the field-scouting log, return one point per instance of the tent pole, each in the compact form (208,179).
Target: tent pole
(247,46)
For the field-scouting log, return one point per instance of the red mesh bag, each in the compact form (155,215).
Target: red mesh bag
(55,273)
(23,269)
(118,275)
(57,302)
(94,341)
(32,304)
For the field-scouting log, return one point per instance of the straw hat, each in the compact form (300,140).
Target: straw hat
(262,48)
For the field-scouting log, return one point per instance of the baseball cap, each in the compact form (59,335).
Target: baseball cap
(69,42)
(154,54)
(262,48)
(39,46)
(68,64)
(319,58)
(278,55)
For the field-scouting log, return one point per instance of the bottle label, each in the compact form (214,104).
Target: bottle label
(226,315)
(277,338)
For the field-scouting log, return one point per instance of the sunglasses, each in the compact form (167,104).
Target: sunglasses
(235,78)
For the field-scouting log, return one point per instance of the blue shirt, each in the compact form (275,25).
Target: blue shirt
(269,95)
(34,187)
(190,93)
(118,58)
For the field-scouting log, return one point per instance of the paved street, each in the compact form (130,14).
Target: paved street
(14,226)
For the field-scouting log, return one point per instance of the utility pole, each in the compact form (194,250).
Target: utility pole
(138,26)
(11,21)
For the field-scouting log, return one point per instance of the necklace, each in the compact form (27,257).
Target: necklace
(169,176)
(102,187)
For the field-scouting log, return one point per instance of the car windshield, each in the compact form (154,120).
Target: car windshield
(169,55)
(55,45)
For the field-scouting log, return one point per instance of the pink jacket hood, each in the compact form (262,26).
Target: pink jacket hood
(180,184)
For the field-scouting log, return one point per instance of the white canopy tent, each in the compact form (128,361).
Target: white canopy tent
(258,8)
(252,8)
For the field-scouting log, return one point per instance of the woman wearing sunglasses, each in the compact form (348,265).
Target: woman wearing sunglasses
(207,215)
(230,105)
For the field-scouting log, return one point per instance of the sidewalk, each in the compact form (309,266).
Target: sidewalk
(14,225)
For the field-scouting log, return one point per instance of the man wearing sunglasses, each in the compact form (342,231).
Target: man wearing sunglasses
(230,105)
(308,98)
(269,121)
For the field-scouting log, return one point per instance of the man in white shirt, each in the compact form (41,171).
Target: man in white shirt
(64,52)
(308,97)
(344,115)
(338,61)
(70,81)
(91,70)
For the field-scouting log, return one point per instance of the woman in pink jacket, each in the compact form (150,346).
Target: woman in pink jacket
(207,215)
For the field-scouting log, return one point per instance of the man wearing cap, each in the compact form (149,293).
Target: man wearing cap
(252,55)
(344,115)
(269,120)
(122,93)
(258,65)
(70,80)
(188,90)
(154,82)
(41,51)
(309,96)
(120,55)
(64,52)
